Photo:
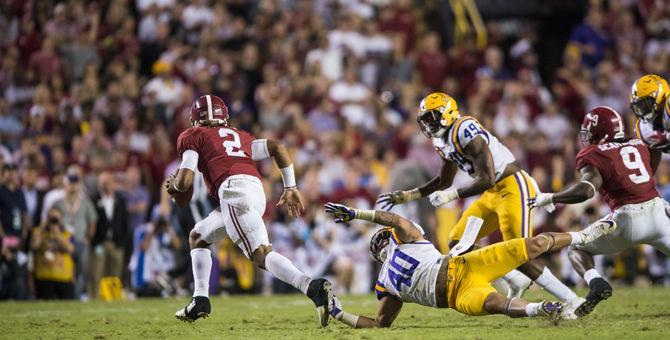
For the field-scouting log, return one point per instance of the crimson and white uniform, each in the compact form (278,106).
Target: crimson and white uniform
(630,191)
(225,156)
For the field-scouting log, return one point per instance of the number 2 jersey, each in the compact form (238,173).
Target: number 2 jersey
(222,152)
(625,169)
(462,132)
(409,272)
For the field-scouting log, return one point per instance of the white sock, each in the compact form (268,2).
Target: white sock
(548,281)
(533,308)
(283,269)
(516,278)
(201,261)
(590,275)
(576,238)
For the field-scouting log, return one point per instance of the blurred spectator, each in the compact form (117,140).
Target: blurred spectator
(432,63)
(13,233)
(45,62)
(155,244)
(34,197)
(353,98)
(553,124)
(79,217)
(591,38)
(53,247)
(111,232)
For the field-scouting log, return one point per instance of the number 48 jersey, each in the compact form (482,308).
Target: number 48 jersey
(222,152)
(409,272)
(625,169)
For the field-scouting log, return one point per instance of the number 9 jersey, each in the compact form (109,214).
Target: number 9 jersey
(222,152)
(625,169)
(409,271)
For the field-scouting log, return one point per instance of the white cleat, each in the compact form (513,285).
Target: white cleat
(597,230)
(568,312)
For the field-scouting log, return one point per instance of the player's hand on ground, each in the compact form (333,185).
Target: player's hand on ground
(341,213)
(387,200)
(441,198)
(292,199)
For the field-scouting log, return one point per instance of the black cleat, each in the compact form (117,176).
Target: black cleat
(198,308)
(321,293)
(599,290)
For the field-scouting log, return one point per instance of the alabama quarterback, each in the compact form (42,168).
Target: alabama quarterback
(413,270)
(504,187)
(225,156)
(621,170)
(649,103)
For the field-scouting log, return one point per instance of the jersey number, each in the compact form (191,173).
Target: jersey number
(633,160)
(232,146)
(401,270)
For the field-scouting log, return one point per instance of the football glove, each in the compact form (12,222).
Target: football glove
(440,198)
(542,200)
(341,213)
(335,308)
(386,201)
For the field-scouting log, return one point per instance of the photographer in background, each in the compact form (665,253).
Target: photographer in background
(13,233)
(53,247)
(155,244)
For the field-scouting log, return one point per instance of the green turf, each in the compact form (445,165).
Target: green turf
(629,314)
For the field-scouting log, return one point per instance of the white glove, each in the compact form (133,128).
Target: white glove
(545,200)
(441,198)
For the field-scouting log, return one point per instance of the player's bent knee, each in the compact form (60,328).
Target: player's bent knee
(195,240)
(258,256)
(536,245)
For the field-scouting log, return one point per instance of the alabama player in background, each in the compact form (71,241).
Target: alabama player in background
(649,103)
(225,156)
(504,187)
(413,270)
(622,171)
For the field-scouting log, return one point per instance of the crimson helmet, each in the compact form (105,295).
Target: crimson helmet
(602,124)
(209,110)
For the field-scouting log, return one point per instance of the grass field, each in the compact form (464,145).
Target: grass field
(629,314)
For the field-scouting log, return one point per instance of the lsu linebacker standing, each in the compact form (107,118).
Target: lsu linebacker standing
(413,270)
(504,188)
(649,103)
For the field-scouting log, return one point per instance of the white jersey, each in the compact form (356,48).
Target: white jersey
(462,132)
(409,272)
(655,135)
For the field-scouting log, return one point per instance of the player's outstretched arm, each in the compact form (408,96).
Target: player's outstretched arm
(291,197)
(387,311)
(589,183)
(484,175)
(403,227)
(443,180)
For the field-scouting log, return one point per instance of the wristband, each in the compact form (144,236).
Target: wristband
(288,177)
(368,215)
(413,194)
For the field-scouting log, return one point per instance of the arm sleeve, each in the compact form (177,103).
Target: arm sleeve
(259,149)
(189,160)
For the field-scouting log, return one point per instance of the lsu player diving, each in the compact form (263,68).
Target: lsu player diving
(413,270)
(649,103)
(504,187)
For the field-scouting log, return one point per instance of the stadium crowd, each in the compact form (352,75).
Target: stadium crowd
(94,95)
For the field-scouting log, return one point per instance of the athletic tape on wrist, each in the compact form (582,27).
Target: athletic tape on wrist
(288,176)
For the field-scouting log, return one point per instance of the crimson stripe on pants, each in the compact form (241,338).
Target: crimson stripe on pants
(236,223)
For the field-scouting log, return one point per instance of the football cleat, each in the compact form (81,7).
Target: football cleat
(570,307)
(599,290)
(597,230)
(320,292)
(198,308)
(552,309)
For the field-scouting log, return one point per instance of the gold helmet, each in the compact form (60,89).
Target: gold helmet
(648,96)
(437,112)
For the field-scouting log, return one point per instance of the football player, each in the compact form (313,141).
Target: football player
(225,156)
(504,187)
(649,103)
(413,270)
(621,169)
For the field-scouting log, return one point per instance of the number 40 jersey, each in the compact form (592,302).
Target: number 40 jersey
(222,152)
(625,169)
(409,272)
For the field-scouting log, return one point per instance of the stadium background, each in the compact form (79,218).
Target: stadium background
(94,95)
